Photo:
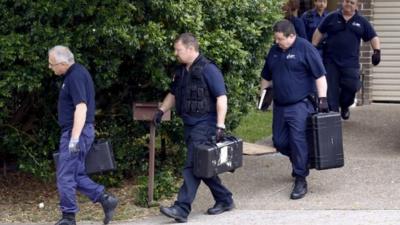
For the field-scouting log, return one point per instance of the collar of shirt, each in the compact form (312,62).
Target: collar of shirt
(315,13)
(69,70)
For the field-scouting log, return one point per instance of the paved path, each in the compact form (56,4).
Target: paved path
(366,191)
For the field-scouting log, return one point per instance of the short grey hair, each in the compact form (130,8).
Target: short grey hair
(62,54)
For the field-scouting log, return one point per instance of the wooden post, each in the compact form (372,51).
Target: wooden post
(151,164)
(145,112)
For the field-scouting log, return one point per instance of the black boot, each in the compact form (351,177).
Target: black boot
(67,219)
(220,207)
(109,203)
(345,113)
(175,213)
(300,188)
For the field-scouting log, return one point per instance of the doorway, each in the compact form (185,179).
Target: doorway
(309,4)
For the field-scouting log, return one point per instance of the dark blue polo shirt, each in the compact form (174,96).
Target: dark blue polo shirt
(343,41)
(77,87)
(215,82)
(298,26)
(311,20)
(293,71)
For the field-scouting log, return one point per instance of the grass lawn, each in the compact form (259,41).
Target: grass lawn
(255,126)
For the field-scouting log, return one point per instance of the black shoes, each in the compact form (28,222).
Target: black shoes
(109,203)
(220,207)
(300,188)
(345,113)
(175,213)
(67,219)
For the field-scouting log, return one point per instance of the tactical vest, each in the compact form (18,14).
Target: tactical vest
(193,95)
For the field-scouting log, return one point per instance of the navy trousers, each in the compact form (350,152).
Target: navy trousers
(289,134)
(343,84)
(71,175)
(195,135)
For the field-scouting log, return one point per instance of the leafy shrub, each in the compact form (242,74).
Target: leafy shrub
(164,186)
(127,47)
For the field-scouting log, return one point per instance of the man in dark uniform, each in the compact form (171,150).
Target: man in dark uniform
(199,96)
(294,67)
(76,109)
(313,17)
(345,29)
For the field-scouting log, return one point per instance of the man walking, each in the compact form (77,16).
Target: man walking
(294,67)
(345,28)
(76,109)
(199,96)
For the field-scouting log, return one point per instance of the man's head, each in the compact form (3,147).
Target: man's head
(186,48)
(320,5)
(284,34)
(60,59)
(349,6)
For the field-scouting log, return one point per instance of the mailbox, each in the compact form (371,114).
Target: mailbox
(146,111)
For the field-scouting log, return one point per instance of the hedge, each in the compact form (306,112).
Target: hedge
(128,48)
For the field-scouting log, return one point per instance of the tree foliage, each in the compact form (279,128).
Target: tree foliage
(127,47)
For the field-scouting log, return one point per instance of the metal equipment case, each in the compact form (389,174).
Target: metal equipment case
(211,159)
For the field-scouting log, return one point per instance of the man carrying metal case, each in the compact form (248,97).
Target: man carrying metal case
(199,96)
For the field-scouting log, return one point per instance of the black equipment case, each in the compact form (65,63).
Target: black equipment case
(325,141)
(100,157)
(211,159)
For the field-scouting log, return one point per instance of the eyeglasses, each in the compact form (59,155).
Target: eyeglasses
(53,64)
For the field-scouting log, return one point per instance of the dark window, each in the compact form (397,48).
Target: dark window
(304,6)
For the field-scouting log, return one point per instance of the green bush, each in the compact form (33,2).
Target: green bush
(164,186)
(127,47)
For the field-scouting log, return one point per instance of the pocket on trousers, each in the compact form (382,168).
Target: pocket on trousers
(67,156)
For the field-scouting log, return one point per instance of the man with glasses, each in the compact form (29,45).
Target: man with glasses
(345,29)
(76,109)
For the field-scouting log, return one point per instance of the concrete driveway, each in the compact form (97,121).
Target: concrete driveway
(365,191)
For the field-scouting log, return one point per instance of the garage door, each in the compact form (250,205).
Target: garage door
(386,76)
